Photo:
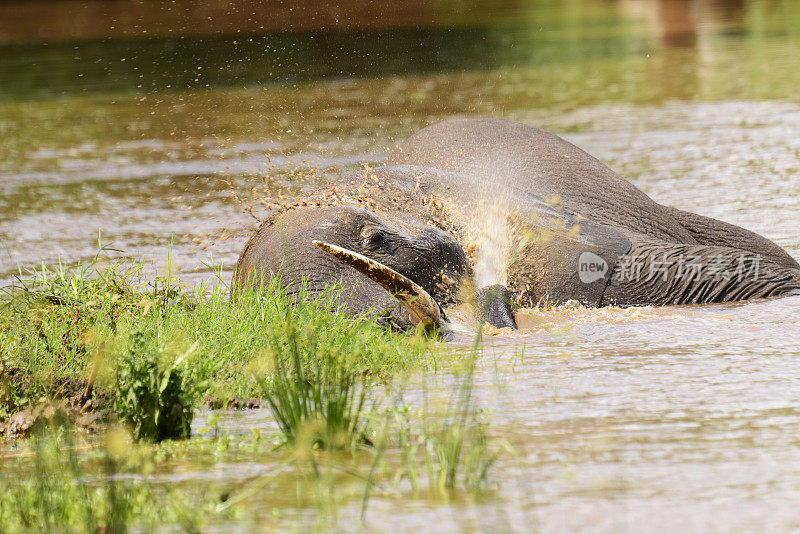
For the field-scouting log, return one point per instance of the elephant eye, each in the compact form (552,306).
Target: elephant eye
(374,239)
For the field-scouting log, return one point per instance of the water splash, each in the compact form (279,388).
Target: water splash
(492,244)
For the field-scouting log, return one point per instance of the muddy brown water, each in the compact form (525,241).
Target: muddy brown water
(651,419)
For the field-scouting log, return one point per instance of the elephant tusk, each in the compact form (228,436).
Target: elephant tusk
(420,305)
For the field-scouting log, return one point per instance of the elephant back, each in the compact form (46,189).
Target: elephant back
(530,161)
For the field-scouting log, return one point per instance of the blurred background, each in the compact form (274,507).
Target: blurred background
(153,120)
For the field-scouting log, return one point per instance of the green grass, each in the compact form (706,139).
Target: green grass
(151,353)
(457,449)
(56,488)
(64,329)
(154,398)
(318,400)
(53,482)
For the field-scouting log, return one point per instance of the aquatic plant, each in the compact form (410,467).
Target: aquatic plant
(61,486)
(452,448)
(315,392)
(153,397)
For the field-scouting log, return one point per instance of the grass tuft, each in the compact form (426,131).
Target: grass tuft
(154,398)
(315,394)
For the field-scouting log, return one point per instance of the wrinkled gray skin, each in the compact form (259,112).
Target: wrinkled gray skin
(283,247)
(559,203)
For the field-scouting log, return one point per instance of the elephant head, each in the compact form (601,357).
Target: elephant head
(375,260)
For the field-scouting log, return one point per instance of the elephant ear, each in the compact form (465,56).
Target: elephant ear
(562,257)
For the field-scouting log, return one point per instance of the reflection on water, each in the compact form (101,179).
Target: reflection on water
(290,43)
(660,419)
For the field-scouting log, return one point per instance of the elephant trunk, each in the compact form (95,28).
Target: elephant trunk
(494,306)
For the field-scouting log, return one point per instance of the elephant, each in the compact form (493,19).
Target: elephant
(522,212)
